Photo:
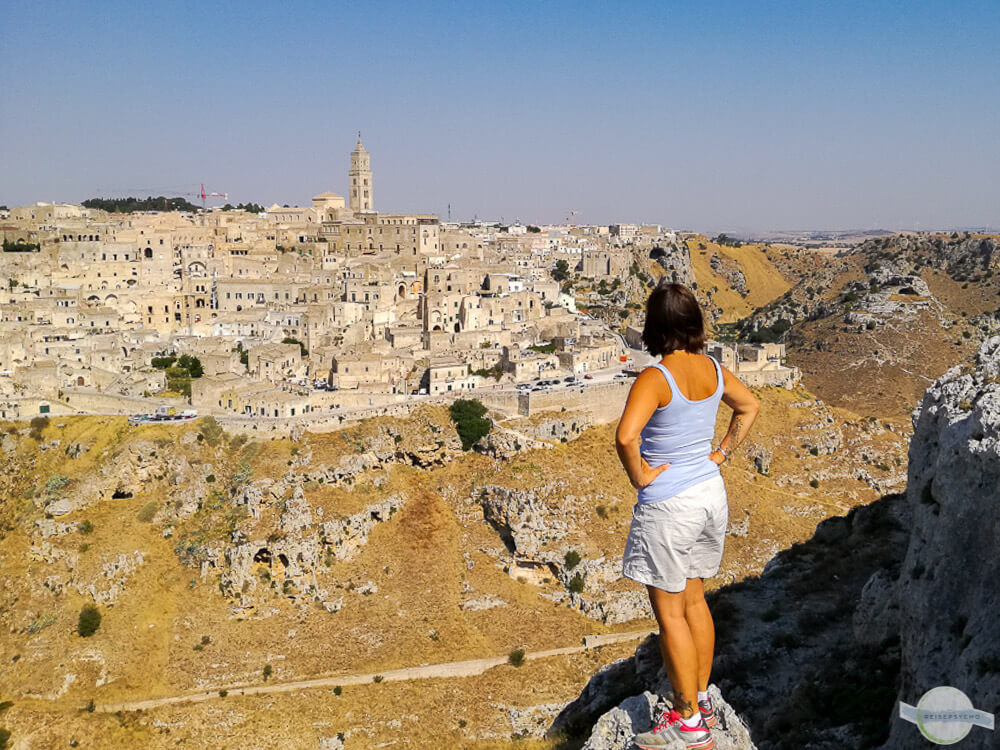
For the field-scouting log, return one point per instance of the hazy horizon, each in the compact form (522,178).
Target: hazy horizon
(716,117)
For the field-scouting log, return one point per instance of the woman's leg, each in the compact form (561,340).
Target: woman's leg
(699,620)
(678,647)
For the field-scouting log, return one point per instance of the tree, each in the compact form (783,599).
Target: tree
(561,271)
(131,205)
(192,365)
(470,421)
(20,246)
(163,362)
(89,621)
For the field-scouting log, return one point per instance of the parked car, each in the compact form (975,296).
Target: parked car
(588,376)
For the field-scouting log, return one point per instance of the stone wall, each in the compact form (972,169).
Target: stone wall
(784,377)
(604,402)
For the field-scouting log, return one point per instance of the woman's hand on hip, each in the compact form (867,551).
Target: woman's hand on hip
(717,456)
(649,474)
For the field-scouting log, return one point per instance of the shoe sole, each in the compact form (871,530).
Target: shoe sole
(710,721)
(708,744)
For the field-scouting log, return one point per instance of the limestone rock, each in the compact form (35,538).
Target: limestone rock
(522,521)
(489,601)
(344,538)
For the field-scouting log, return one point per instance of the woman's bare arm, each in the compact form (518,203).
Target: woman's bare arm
(745,407)
(643,400)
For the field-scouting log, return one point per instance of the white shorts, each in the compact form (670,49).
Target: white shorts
(678,538)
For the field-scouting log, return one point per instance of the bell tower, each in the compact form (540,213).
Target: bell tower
(360,176)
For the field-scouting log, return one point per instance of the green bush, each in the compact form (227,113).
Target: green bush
(516,657)
(268,671)
(814,483)
(211,430)
(337,690)
(192,365)
(223,693)
(576,584)
(572,559)
(470,421)
(179,380)
(89,622)
(162,363)
(38,424)
(148,511)
(55,483)
(86,527)
(4,736)
(377,678)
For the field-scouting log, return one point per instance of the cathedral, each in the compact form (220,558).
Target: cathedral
(354,227)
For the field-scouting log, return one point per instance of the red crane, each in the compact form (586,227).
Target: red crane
(204,195)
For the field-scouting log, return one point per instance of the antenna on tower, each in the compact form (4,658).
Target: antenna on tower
(449,212)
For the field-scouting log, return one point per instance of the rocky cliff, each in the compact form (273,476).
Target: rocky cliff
(881,605)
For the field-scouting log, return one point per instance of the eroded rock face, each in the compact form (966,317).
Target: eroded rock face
(948,597)
(675,259)
(523,522)
(730,270)
(344,538)
(504,444)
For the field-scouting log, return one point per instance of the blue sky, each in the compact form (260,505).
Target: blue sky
(702,115)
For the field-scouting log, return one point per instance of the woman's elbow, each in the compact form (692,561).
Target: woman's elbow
(625,437)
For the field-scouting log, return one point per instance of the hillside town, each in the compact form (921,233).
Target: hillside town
(306,310)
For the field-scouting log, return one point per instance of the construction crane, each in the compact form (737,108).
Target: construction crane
(204,195)
(569,219)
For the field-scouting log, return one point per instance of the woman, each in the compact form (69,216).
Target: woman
(664,441)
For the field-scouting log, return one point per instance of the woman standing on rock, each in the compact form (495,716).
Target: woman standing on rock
(664,440)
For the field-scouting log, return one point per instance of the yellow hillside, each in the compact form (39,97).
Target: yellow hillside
(764,281)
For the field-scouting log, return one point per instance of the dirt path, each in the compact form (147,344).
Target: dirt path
(444,669)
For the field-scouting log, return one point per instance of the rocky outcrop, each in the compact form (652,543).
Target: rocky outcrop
(881,605)
(504,444)
(522,521)
(960,256)
(946,595)
(562,429)
(615,728)
(730,270)
(675,259)
(344,538)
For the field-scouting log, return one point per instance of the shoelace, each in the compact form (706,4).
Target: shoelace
(669,718)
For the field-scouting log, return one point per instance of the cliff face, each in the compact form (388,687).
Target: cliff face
(948,593)
(881,605)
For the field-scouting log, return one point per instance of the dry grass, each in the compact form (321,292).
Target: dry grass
(419,560)
(763,280)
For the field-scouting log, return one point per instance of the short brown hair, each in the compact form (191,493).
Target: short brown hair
(673,320)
